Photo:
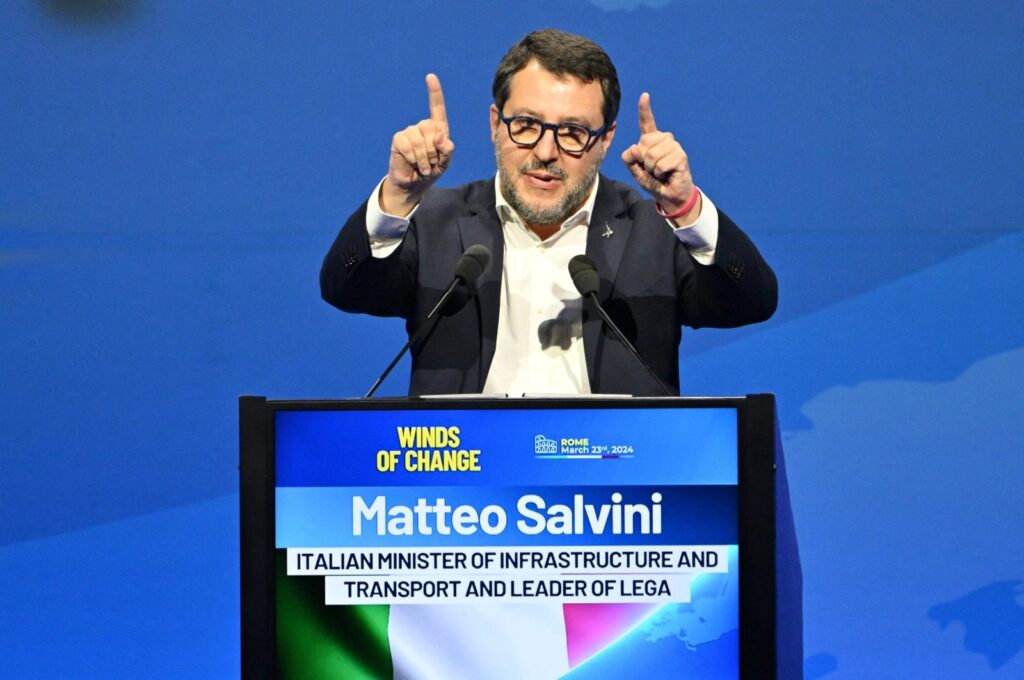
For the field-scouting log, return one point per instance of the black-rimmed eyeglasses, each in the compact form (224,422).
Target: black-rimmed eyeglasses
(570,137)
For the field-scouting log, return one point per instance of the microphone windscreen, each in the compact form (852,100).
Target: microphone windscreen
(472,263)
(584,275)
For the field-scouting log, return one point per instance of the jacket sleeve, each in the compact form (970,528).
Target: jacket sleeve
(738,288)
(353,280)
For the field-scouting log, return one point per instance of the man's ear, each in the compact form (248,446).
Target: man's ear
(608,136)
(495,122)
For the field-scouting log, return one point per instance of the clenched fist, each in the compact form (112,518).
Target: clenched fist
(419,156)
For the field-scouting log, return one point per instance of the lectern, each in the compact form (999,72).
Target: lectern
(481,537)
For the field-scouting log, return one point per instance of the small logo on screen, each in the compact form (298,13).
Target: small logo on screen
(544,446)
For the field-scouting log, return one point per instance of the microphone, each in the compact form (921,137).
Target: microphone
(467,270)
(584,276)
(472,263)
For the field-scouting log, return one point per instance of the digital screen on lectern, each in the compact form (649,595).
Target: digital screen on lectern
(507,543)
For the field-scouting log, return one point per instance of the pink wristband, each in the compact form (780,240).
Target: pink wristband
(687,207)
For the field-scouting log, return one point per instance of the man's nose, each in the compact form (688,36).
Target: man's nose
(546,149)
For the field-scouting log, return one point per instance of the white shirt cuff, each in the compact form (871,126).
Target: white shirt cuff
(701,237)
(384,231)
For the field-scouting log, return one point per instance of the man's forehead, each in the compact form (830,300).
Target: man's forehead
(536,88)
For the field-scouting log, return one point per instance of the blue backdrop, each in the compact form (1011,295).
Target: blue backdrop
(171,174)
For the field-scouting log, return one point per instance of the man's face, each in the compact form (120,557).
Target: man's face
(544,184)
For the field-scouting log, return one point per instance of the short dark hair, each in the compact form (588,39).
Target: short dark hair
(563,54)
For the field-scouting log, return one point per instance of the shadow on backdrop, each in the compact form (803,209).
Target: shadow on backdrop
(92,12)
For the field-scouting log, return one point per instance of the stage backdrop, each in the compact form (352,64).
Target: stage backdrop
(171,174)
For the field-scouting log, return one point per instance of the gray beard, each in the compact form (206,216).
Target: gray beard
(574,197)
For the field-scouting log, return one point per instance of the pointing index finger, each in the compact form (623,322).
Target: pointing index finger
(646,116)
(436,96)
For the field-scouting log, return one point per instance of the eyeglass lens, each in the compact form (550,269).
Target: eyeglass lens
(569,137)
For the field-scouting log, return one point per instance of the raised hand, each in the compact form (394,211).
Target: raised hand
(659,165)
(419,156)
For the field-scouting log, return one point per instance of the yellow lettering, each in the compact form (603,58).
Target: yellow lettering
(446,460)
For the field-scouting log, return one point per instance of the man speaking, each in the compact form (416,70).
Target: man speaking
(522,326)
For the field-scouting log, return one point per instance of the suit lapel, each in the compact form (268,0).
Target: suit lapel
(607,237)
(482,227)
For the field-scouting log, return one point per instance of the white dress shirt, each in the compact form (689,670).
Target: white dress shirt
(539,348)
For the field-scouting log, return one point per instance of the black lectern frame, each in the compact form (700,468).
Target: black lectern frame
(770,585)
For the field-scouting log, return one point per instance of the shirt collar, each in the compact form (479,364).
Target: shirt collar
(581,216)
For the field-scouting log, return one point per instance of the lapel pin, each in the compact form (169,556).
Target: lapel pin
(607,233)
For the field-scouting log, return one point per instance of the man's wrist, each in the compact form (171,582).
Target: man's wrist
(682,214)
(393,201)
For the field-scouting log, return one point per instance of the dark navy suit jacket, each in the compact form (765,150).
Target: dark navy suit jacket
(650,285)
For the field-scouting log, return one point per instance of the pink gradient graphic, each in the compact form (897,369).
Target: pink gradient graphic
(589,628)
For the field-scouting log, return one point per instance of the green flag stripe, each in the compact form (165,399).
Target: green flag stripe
(317,641)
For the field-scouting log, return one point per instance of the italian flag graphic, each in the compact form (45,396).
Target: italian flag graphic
(445,641)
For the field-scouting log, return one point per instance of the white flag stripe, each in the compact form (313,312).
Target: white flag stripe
(482,640)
